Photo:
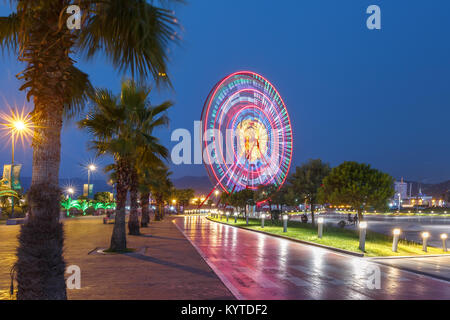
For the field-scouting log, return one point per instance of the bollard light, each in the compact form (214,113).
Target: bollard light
(425,236)
(396,233)
(444,241)
(362,235)
(320,227)
(228,215)
(235,217)
(262,220)
(285,221)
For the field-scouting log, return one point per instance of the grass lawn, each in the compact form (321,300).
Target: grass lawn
(391,214)
(376,244)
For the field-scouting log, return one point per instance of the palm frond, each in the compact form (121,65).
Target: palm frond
(78,91)
(134,35)
(9,32)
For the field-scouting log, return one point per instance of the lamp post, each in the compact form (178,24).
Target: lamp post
(444,241)
(17,126)
(425,236)
(320,227)
(396,233)
(362,235)
(228,215)
(91,168)
(262,220)
(70,191)
(285,221)
(235,217)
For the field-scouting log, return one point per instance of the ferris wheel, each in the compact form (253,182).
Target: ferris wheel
(247,132)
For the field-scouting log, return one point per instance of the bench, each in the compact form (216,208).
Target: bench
(109,219)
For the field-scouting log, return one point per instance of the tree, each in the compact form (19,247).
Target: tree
(148,176)
(135,35)
(161,189)
(82,205)
(68,204)
(184,196)
(103,196)
(242,198)
(144,118)
(307,179)
(358,185)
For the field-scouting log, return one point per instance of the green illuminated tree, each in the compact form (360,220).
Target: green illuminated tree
(68,204)
(134,35)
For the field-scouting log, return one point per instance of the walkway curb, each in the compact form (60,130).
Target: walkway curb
(422,273)
(295,240)
(410,257)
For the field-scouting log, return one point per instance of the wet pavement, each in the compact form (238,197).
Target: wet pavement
(438,267)
(258,266)
(163,266)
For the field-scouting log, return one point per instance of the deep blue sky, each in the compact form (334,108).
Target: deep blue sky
(380,97)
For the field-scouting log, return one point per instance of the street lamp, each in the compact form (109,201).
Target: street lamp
(235,217)
(396,233)
(19,125)
(91,168)
(285,220)
(425,236)
(70,191)
(444,241)
(320,227)
(228,215)
(262,219)
(362,235)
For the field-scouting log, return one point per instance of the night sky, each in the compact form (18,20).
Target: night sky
(380,97)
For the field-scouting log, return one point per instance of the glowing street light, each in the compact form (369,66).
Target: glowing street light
(362,235)
(396,233)
(19,125)
(320,227)
(70,191)
(425,236)
(285,220)
(444,237)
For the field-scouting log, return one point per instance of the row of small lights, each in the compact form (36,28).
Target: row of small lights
(362,227)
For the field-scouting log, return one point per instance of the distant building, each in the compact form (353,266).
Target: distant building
(401,188)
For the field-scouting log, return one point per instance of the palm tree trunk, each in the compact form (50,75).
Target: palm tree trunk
(119,238)
(40,265)
(133,221)
(145,219)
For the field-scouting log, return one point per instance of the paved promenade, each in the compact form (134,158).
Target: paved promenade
(259,266)
(164,266)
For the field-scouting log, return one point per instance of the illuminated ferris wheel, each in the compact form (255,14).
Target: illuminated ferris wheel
(247,133)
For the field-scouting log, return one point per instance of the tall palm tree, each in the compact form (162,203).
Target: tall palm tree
(134,35)
(161,187)
(148,177)
(142,115)
(123,127)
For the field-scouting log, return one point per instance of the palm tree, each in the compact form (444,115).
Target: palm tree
(142,115)
(148,176)
(122,127)
(134,35)
(161,187)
